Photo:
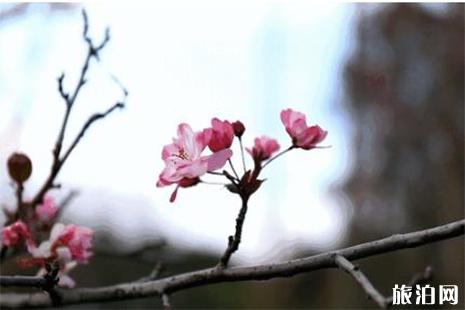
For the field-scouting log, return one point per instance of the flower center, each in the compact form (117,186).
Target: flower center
(182,154)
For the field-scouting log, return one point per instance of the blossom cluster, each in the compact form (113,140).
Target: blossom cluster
(67,245)
(185,160)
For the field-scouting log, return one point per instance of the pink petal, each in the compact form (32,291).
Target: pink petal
(192,170)
(174,194)
(217,160)
(203,137)
(66,281)
(217,124)
(188,142)
(169,150)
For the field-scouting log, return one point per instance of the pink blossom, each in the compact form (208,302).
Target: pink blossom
(183,160)
(15,234)
(222,135)
(263,148)
(77,239)
(66,243)
(303,136)
(47,210)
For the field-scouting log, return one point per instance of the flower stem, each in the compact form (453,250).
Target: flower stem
(215,173)
(278,155)
(234,170)
(242,155)
(212,183)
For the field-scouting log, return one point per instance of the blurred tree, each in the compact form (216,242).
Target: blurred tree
(405,83)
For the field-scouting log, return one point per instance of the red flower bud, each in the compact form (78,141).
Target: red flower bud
(239,128)
(19,167)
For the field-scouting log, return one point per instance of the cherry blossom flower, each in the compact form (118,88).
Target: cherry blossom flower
(68,245)
(17,233)
(70,241)
(222,135)
(184,163)
(303,136)
(47,210)
(263,148)
(62,255)
(77,239)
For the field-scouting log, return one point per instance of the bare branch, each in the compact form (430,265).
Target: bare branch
(419,278)
(361,279)
(155,274)
(219,275)
(90,121)
(22,281)
(166,301)
(234,241)
(46,282)
(70,99)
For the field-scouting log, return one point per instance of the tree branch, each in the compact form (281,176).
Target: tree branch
(90,121)
(361,279)
(70,99)
(166,301)
(218,275)
(23,281)
(233,242)
(419,278)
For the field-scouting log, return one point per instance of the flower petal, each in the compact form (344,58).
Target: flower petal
(217,160)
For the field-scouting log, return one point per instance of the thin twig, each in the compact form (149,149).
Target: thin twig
(242,155)
(215,173)
(90,121)
(232,167)
(19,197)
(165,299)
(234,180)
(234,241)
(221,275)
(70,99)
(419,278)
(278,155)
(361,279)
(155,274)
(212,183)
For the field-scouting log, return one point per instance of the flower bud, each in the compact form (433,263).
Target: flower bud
(239,128)
(19,167)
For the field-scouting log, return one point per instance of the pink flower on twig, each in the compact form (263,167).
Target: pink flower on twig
(303,136)
(71,242)
(47,210)
(263,148)
(222,135)
(183,159)
(17,233)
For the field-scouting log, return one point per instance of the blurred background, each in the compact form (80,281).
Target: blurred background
(386,81)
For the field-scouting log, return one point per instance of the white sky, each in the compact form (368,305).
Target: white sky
(187,62)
